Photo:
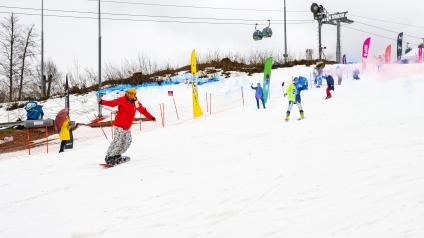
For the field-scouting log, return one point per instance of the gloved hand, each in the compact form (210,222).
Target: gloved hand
(285,94)
(282,85)
(154,119)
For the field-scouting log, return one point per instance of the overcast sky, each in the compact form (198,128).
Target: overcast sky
(69,41)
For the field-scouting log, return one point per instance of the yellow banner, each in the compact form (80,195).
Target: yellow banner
(193,63)
(197,110)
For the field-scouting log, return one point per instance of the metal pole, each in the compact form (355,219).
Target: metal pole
(100,59)
(285,35)
(338,47)
(319,40)
(43,86)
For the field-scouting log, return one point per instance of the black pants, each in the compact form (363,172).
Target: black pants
(257,102)
(62,145)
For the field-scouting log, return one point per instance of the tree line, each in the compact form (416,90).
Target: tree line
(20,73)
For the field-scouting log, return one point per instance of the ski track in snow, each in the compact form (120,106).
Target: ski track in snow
(353,168)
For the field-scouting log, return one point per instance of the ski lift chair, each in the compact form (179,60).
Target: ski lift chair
(267,32)
(257,35)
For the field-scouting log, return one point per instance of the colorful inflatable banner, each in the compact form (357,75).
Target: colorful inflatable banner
(267,72)
(365,51)
(365,48)
(420,54)
(399,46)
(193,63)
(388,54)
(197,110)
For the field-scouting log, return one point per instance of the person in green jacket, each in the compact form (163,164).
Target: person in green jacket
(293,94)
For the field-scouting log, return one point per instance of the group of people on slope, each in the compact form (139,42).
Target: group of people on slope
(293,93)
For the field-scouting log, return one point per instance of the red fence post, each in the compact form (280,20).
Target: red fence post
(207,103)
(47,140)
(103,132)
(28,143)
(242,95)
(176,110)
(140,120)
(210,103)
(163,115)
(111,123)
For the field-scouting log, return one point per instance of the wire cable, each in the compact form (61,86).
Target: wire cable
(152,16)
(374,34)
(381,20)
(385,29)
(193,6)
(150,20)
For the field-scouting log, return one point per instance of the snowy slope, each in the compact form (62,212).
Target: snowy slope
(353,168)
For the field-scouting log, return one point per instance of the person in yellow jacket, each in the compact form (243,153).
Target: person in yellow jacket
(64,133)
(293,94)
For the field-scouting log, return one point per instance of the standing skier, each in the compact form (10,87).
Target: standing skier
(127,106)
(330,85)
(259,94)
(293,94)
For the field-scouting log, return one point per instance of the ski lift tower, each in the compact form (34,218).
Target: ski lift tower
(323,17)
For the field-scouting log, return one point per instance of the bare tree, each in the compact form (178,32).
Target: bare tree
(9,37)
(54,76)
(28,47)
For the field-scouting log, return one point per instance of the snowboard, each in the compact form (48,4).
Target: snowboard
(124,160)
(267,71)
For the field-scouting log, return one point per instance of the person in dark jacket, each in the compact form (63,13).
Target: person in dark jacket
(127,106)
(330,85)
(259,94)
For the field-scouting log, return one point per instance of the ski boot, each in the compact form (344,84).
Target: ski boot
(287,116)
(302,116)
(112,160)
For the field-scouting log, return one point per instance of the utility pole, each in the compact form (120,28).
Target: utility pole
(285,35)
(43,81)
(319,40)
(100,59)
(323,17)
(338,46)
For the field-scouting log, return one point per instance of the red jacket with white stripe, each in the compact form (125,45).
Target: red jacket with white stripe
(126,111)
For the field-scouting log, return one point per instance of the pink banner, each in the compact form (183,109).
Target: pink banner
(420,55)
(365,51)
(388,54)
(366,47)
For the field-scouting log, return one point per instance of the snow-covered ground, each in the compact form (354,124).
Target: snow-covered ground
(353,168)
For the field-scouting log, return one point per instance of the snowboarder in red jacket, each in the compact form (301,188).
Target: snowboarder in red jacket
(127,106)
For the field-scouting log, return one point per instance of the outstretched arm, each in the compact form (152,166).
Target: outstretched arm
(112,103)
(144,111)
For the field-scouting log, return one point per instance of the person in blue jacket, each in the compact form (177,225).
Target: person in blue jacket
(355,74)
(330,85)
(34,111)
(259,94)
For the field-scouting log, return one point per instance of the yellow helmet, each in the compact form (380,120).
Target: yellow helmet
(131,91)
(131,94)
